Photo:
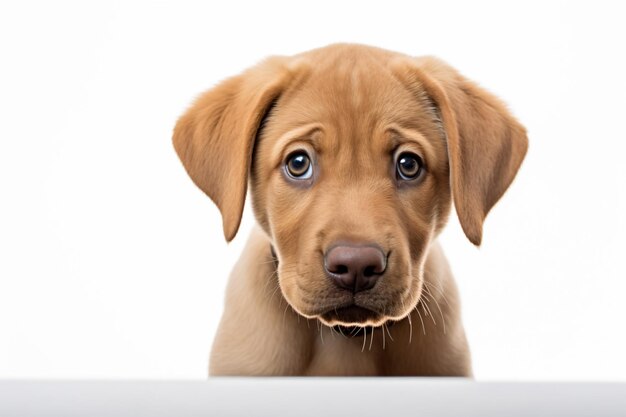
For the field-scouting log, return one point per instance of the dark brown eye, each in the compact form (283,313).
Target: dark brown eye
(299,166)
(408,166)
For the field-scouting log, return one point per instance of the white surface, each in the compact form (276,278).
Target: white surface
(313,397)
(112,263)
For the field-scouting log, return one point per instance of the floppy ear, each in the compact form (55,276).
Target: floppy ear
(214,139)
(486,145)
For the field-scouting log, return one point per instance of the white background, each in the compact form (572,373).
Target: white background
(112,263)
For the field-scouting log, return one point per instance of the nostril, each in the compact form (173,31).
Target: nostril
(340,269)
(372,270)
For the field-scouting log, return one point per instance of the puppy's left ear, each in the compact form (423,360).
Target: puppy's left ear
(486,145)
(215,137)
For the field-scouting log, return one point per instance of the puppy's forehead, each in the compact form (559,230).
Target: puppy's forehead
(353,94)
(351,85)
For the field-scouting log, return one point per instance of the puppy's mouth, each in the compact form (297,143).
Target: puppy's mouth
(351,316)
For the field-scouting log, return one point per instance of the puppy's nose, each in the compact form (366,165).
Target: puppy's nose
(355,268)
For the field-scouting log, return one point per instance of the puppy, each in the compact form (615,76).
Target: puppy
(353,156)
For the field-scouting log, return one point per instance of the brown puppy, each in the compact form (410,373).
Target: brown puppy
(353,155)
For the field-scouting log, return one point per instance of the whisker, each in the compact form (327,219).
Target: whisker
(426,308)
(371,339)
(271,297)
(410,328)
(383,332)
(296,314)
(285,313)
(269,278)
(431,285)
(364,338)
(332,332)
(443,319)
(410,324)
(388,333)
(422,320)
(341,331)
(266,262)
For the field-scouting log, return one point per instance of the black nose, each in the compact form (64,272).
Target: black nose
(355,268)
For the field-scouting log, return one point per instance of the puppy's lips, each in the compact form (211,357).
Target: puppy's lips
(351,315)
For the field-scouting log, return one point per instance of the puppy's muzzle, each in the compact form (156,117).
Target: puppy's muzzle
(355,268)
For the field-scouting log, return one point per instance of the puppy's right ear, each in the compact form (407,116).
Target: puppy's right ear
(214,139)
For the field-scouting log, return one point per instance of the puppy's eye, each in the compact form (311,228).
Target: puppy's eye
(299,166)
(408,166)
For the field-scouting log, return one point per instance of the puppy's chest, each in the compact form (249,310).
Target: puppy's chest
(340,356)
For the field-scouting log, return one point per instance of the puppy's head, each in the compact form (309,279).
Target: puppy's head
(354,156)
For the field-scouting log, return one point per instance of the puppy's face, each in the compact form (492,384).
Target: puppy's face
(351,181)
(354,156)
